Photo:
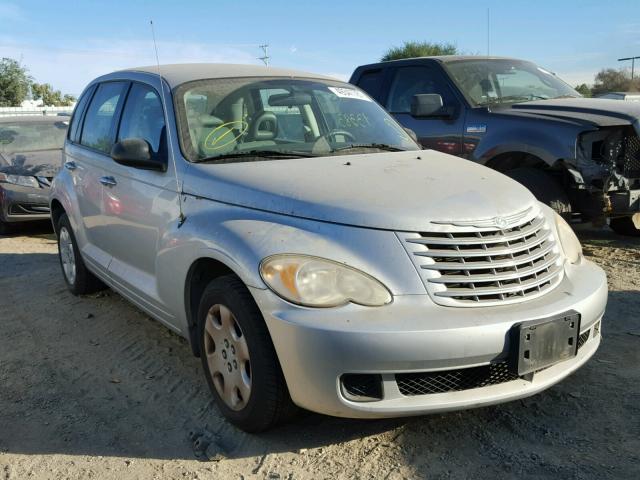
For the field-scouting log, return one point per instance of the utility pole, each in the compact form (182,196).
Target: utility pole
(633,63)
(488,32)
(265,54)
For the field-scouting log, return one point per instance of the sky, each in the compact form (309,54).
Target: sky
(68,43)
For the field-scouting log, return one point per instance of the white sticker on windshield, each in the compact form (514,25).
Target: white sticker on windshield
(349,93)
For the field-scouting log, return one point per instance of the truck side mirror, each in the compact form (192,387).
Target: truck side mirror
(427,105)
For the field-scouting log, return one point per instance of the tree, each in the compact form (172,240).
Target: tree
(583,89)
(14,83)
(419,49)
(51,97)
(611,80)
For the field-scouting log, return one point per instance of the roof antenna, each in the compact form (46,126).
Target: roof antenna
(181,217)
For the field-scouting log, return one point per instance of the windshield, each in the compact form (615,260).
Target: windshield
(237,118)
(497,81)
(31,136)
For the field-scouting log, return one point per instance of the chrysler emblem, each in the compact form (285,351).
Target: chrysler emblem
(500,222)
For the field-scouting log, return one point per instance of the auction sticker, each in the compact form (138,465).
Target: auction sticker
(349,93)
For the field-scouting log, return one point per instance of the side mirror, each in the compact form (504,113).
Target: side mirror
(427,105)
(136,153)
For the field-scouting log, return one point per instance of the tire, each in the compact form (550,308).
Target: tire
(624,226)
(5,228)
(544,187)
(238,358)
(79,280)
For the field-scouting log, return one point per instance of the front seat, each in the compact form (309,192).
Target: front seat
(262,131)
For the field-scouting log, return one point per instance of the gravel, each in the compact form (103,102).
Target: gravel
(91,387)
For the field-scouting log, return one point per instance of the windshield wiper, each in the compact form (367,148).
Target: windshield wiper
(268,154)
(377,146)
(514,98)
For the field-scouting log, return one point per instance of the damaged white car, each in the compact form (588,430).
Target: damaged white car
(311,253)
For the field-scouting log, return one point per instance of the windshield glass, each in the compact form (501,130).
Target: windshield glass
(280,118)
(31,136)
(497,81)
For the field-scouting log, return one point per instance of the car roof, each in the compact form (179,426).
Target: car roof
(177,74)
(34,119)
(441,59)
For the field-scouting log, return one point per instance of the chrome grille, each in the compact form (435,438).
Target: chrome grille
(467,266)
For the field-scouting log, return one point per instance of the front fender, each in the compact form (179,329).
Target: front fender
(541,144)
(240,238)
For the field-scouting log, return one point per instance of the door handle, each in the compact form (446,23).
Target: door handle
(70,165)
(108,181)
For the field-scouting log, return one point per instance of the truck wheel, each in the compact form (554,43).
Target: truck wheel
(544,187)
(79,280)
(624,226)
(238,358)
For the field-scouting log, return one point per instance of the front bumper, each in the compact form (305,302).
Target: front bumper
(317,346)
(23,204)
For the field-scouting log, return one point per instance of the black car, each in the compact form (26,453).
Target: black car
(579,155)
(30,156)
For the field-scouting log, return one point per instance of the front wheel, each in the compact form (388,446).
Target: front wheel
(238,358)
(544,187)
(624,226)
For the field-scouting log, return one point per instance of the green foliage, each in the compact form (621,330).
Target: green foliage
(583,89)
(14,83)
(611,80)
(419,49)
(51,97)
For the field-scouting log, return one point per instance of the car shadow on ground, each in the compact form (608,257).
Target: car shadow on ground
(94,376)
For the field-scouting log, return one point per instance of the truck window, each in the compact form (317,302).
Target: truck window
(371,82)
(410,81)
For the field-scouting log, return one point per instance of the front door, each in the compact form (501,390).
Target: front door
(140,205)
(442,132)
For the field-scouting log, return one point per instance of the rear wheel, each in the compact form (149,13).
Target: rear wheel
(624,226)
(79,280)
(544,187)
(238,358)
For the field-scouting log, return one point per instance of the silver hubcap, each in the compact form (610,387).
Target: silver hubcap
(67,256)
(227,355)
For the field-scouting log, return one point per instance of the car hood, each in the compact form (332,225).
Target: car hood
(591,112)
(42,163)
(396,191)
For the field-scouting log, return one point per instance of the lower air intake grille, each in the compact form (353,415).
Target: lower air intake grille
(632,156)
(582,339)
(362,387)
(425,383)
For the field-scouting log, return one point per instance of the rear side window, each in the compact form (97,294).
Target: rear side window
(371,82)
(99,123)
(74,129)
(410,81)
(143,117)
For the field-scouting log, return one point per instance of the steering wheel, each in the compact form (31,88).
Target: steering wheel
(335,133)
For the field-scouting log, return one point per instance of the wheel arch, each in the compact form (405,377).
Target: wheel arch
(57,210)
(201,272)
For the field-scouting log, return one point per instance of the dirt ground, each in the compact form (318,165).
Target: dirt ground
(92,388)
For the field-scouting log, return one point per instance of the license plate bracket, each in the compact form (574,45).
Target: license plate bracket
(544,342)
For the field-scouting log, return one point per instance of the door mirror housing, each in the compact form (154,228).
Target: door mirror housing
(427,105)
(136,153)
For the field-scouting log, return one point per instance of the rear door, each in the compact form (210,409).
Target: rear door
(86,155)
(139,205)
(441,132)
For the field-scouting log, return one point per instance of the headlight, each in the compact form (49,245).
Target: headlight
(317,282)
(568,240)
(22,180)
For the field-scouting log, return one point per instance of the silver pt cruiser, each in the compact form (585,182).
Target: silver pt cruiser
(313,255)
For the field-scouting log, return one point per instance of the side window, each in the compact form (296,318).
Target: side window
(74,129)
(143,117)
(98,128)
(410,81)
(371,82)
